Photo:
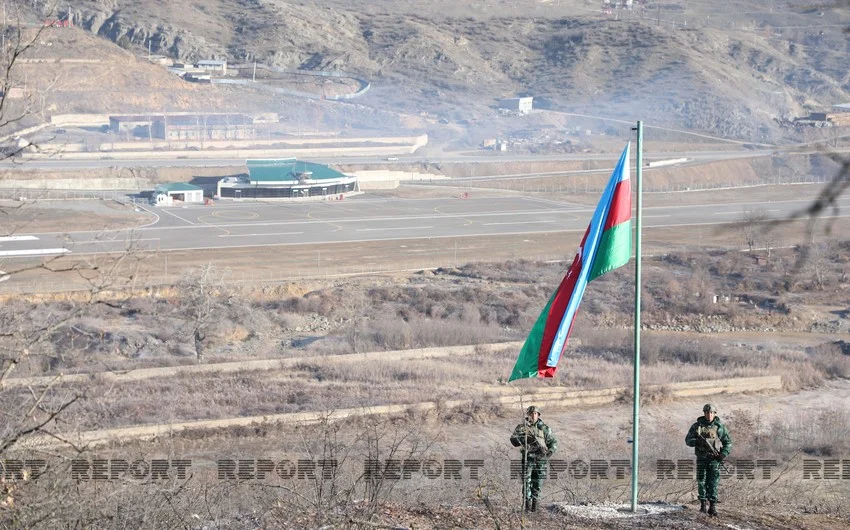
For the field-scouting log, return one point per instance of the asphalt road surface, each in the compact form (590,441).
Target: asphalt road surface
(471,157)
(230,225)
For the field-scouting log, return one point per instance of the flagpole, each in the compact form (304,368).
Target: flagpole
(636,411)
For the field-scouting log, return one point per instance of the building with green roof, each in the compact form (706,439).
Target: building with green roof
(166,194)
(286,178)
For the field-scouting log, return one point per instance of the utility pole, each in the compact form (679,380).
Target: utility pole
(254,75)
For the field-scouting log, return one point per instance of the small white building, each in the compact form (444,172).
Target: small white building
(522,105)
(219,67)
(167,194)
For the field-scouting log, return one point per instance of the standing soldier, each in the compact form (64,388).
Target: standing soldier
(537,443)
(711,443)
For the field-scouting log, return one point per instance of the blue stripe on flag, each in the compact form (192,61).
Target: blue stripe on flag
(591,245)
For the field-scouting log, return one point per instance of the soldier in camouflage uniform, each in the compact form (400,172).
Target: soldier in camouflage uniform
(538,444)
(712,443)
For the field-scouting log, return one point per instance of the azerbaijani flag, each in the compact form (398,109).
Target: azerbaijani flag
(606,245)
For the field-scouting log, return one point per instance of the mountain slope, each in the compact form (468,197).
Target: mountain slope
(729,68)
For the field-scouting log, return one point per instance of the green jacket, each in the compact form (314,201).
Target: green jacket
(715,434)
(530,436)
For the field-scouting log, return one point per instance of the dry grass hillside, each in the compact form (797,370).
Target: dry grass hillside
(731,69)
(298,327)
(73,71)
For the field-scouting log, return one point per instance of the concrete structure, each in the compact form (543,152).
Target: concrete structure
(839,117)
(167,194)
(836,118)
(286,178)
(137,125)
(522,105)
(14,92)
(161,60)
(205,127)
(218,67)
(197,77)
(185,126)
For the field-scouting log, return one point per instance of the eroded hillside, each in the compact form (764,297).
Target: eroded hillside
(731,69)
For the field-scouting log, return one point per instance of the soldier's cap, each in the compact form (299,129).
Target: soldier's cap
(532,409)
(709,408)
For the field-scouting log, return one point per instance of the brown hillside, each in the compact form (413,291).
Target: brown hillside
(731,68)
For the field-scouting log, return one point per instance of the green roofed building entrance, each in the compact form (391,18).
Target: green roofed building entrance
(168,194)
(286,178)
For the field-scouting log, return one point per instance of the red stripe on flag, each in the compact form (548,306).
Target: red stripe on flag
(556,313)
(621,205)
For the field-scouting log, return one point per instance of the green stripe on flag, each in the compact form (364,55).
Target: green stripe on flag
(526,364)
(614,250)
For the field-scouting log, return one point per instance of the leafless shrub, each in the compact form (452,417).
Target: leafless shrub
(521,271)
(321,302)
(203,304)
(649,395)
(819,432)
(751,227)
(390,335)
(431,332)
(833,358)
(801,376)
(480,410)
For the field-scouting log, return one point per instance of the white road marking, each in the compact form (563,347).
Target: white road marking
(338,221)
(102,241)
(34,252)
(396,228)
(177,216)
(518,223)
(447,236)
(17,238)
(743,213)
(269,234)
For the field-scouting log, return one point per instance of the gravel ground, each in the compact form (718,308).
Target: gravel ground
(617,511)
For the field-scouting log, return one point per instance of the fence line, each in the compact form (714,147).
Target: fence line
(569,184)
(38,194)
(310,271)
(596,184)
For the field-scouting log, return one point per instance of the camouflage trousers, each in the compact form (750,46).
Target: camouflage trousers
(535,473)
(708,478)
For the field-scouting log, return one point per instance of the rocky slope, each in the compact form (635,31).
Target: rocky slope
(731,69)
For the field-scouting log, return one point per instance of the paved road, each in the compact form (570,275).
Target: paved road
(472,157)
(245,224)
(205,160)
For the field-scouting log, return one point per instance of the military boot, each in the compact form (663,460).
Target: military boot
(534,505)
(527,505)
(702,504)
(711,509)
